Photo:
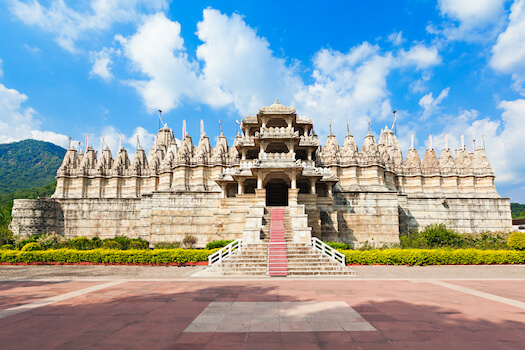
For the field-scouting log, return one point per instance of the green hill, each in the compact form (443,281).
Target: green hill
(518,210)
(28,164)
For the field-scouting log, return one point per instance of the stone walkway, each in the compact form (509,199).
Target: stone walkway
(469,311)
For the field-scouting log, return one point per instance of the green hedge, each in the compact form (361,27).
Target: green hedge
(157,256)
(434,257)
(181,256)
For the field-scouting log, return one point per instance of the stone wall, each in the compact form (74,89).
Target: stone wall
(468,214)
(355,217)
(160,217)
(37,216)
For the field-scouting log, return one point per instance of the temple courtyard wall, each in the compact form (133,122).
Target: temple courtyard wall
(357,218)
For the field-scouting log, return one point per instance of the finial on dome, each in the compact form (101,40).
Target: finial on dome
(330,126)
(369,127)
(87,141)
(220,128)
(412,141)
(184,128)
(202,127)
(483,140)
(462,142)
(119,142)
(348,126)
(430,142)
(276,101)
(446,141)
(474,141)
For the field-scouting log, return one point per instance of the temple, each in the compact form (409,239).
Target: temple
(341,193)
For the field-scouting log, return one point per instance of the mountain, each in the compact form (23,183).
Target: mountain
(28,164)
(518,210)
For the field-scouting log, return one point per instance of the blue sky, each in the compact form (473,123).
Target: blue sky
(103,67)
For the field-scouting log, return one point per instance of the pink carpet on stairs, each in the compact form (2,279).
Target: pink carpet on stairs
(277,260)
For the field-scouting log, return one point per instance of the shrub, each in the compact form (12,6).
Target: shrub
(51,241)
(485,240)
(138,245)
(434,256)
(338,245)
(517,240)
(124,243)
(414,239)
(96,242)
(167,245)
(108,256)
(21,241)
(438,235)
(31,247)
(80,243)
(189,242)
(218,243)
(110,244)
(7,247)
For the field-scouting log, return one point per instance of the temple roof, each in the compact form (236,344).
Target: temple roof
(277,108)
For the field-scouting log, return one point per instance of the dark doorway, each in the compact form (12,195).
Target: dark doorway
(276,193)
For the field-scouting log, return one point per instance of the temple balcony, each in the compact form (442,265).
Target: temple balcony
(308,141)
(276,132)
(246,141)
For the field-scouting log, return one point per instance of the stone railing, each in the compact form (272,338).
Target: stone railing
(308,141)
(280,156)
(246,141)
(276,132)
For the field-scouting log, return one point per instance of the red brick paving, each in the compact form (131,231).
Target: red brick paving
(14,293)
(153,315)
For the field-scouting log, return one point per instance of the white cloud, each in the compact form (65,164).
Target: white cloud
(471,20)
(430,105)
(237,68)
(32,49)
(508,54)
(241,64)
(69,25)
(421,56)
(503,139)
(19,123)
(102,61)
(420,85)
(396,38)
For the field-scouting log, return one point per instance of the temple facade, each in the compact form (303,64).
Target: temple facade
(336,193)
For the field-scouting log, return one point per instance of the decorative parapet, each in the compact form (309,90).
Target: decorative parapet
(306,140)
(276,132)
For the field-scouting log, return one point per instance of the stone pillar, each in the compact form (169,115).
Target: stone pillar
(243,154)
(259,181)
(240,187)
(329,189)
(312,185)
(293,181)
(292,196)
(309,154)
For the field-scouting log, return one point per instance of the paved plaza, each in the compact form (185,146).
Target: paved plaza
(382,307)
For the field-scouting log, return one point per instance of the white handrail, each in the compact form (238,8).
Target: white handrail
(330,252)
(225,252)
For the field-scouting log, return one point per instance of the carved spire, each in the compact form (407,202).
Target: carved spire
(446,160)
(330,151)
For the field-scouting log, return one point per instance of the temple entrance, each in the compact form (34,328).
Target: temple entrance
(277,193)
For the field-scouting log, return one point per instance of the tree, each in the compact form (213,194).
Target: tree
(5,220)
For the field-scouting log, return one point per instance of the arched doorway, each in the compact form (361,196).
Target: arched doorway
(277,193)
